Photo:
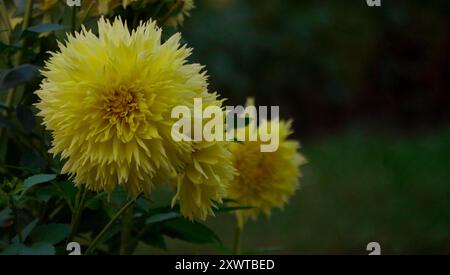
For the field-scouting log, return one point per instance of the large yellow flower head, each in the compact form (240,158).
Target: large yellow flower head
(107,101)
(265,180)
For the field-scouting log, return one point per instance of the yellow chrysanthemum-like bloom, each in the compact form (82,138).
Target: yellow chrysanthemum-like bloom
(178,20)
(107,100)
(46,5)
(205,181)
(265,180)
(103,7)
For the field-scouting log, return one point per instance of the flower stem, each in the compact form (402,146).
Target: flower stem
(74,19)
(125,236)
(27,15)
(77,210)
(105,229)
(5,17)
(170,12)
(238,240)
(17,221)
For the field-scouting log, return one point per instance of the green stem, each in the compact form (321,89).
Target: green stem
(28,14)
(74,19)
(61,204)
(238,240)
(126,230)
(105,229)
(16,218)
(170,13)
(78,210)
(5,17)
(84,14)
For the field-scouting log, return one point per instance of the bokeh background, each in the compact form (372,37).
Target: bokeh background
(368,89)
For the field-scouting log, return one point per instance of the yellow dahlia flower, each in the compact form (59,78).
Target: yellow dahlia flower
(265,180)
(205,180)
(107,100)
(178,20)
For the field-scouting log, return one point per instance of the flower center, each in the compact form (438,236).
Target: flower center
(123,107)
(255,169)
(121,103)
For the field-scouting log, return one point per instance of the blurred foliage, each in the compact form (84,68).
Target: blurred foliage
(330,64)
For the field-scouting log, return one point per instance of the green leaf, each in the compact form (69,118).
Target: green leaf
(18,75)
(38,179)
(36,249)
(41,248)
(16,36)
(232,208)
(26,231)
(66,190)
(11,48)
(50,233)
(46,28)
(162,217)
(154,239)
(190,231)
(112,231)
(119,196)
(95,202)
(14,249)
(5,216)
(44,194)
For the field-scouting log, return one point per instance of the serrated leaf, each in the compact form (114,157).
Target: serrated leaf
(50,233)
